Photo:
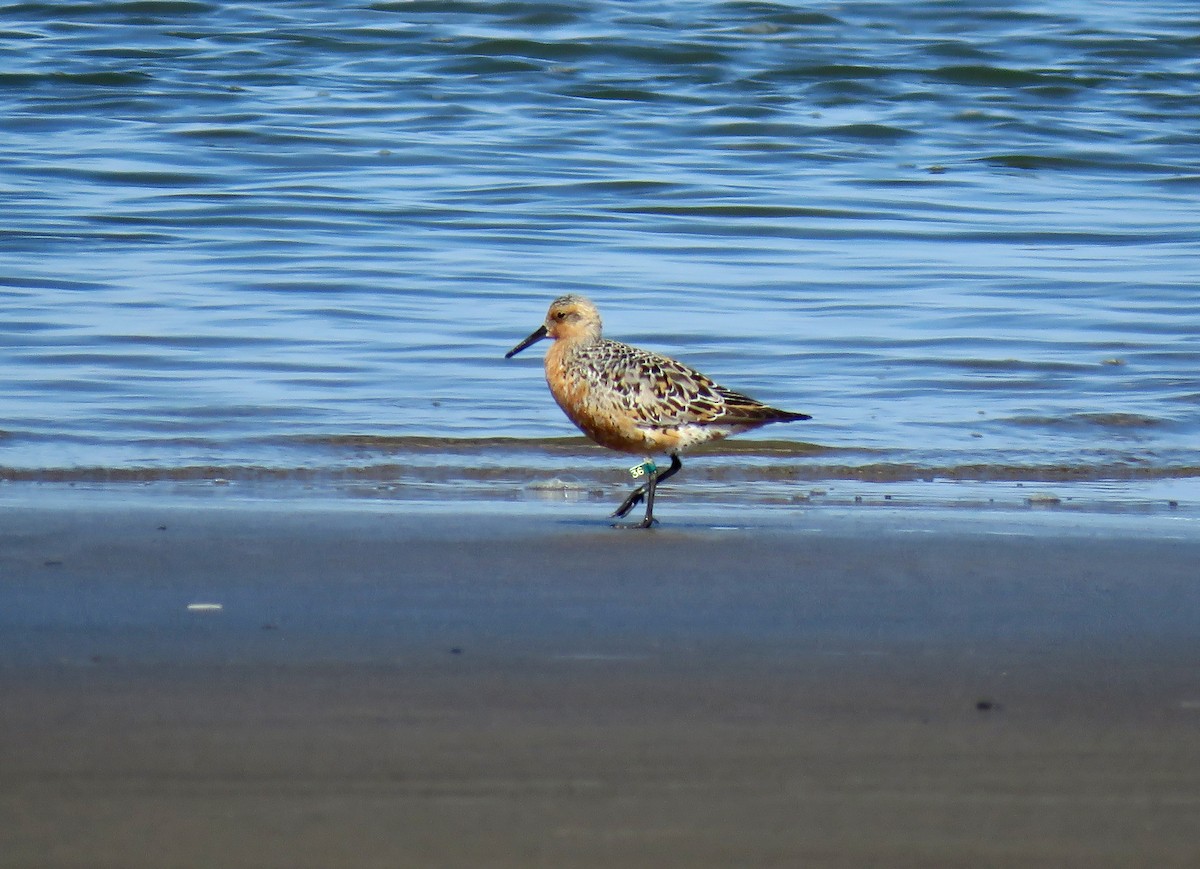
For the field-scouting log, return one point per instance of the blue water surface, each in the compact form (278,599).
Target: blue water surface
(283,237)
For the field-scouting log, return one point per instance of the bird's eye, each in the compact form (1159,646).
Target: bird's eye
(561,315)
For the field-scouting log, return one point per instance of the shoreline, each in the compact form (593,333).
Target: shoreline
(594,494)
(393,683)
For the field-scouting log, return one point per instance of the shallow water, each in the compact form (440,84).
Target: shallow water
(294,240)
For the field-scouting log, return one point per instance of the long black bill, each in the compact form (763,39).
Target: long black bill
(538,335)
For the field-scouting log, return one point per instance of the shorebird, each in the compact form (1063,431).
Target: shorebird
(635,401)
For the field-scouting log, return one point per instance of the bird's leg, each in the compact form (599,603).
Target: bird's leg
(673,470)
(635,498)
(646,491)
(651,485)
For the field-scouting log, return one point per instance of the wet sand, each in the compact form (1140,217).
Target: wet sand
(392,686)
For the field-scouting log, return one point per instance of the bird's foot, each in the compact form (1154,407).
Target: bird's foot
(648,522)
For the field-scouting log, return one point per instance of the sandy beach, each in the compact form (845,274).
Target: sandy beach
(226,683)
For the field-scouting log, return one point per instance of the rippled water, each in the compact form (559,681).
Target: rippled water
(291,239)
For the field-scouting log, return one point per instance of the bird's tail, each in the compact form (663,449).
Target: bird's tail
(743,409)
(778,415)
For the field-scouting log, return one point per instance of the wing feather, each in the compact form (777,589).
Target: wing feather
(660,392)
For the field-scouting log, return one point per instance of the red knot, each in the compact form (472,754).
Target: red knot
(635,401)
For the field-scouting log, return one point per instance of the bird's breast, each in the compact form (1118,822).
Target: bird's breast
(595,409)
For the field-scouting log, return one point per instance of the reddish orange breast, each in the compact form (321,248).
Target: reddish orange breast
(600,420)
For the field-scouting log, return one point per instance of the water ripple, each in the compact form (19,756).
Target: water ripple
(235,233)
